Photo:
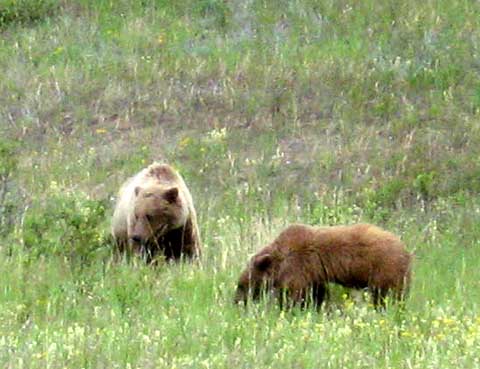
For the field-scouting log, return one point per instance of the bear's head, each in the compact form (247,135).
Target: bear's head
(157,210)
(259,276)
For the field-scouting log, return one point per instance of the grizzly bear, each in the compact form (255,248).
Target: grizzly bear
(154,214)
(300,262)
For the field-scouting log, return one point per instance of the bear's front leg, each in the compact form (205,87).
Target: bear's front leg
(319,293)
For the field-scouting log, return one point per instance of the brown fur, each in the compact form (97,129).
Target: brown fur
(155,214)
(301,261)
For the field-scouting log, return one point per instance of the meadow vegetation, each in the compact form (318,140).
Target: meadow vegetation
(274,112)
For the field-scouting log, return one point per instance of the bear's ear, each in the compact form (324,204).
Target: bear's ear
(137,190)
(263,262)
(171,194)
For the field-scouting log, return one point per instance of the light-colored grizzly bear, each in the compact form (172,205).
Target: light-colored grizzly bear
(155,214)
(300,262)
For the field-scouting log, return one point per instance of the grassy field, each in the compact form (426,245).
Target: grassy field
(274,112)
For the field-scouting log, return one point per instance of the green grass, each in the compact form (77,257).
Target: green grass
(274,112)
(108,314)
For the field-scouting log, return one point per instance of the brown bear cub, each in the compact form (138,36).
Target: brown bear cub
(300,262)
(154,215)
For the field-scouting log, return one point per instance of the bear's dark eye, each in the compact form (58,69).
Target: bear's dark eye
(149,218)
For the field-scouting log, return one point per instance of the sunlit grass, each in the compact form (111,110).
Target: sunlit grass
(183,315)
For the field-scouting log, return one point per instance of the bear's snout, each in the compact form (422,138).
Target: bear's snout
(136,239)
(240,297)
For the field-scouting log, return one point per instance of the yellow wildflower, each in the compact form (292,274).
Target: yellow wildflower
(185,142)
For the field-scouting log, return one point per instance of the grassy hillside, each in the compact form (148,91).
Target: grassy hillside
(318,112)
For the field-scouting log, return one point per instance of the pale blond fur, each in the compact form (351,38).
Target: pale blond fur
(159,176)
